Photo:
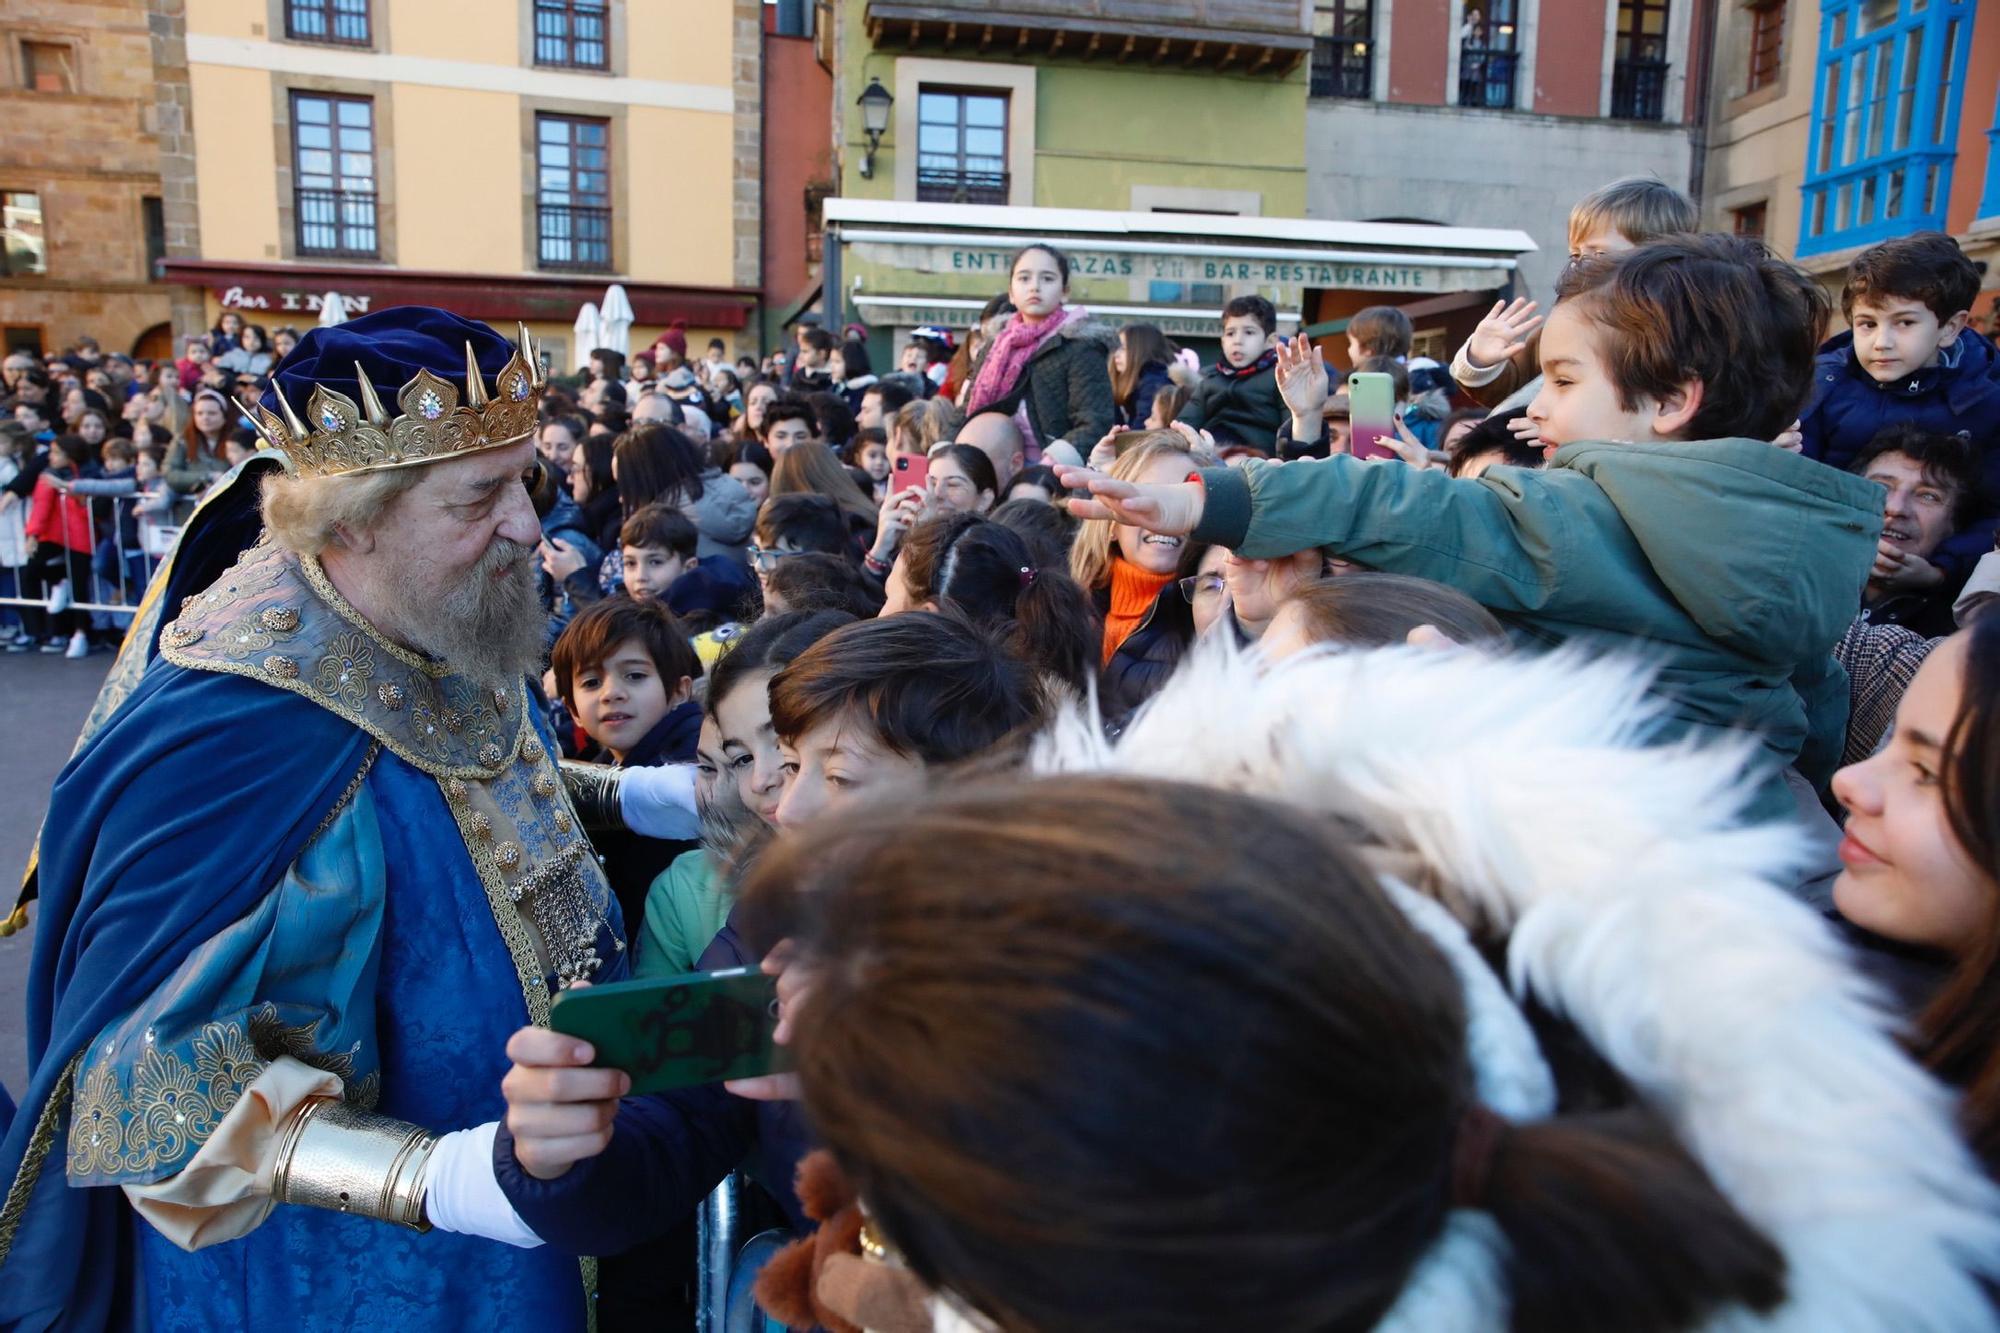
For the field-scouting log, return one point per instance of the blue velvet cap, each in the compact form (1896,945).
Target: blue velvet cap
(391,346)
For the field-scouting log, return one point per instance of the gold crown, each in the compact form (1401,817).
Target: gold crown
(348,437)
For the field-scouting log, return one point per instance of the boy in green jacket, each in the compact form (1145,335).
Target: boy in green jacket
(1663,522)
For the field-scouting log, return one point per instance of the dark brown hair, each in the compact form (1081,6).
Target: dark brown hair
(811,522)
(663,526)
(1947,462)
(1176,1046)
(1381,330)
(985,571)
(1718,309)
(600,627)
(1491,436)
(656,464)
(929,686)
(788,409)
(1926,266)
(816,581)
(974,463)
(1253,307)
(1959,1025)
(1379,610)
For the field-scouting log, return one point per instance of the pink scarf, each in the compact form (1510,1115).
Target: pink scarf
(1013,347)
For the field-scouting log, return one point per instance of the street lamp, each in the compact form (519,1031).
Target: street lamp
(874,102)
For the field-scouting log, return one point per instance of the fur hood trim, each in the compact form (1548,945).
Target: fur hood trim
(1515,792)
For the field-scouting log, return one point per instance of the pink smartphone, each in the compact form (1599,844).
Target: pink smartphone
(1371,406)
(913,473)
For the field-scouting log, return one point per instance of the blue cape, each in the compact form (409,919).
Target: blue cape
(133,876)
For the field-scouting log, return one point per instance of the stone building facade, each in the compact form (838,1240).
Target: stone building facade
(80,188)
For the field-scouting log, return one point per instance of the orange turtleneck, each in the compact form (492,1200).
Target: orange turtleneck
(1133,592)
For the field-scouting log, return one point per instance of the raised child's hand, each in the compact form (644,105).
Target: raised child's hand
(1105,452)
(1503,332)
(1302,378)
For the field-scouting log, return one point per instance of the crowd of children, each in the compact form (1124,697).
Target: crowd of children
(818,582)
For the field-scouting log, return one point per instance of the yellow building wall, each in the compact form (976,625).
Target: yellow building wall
(235,169)
(679,41)
(228,18)
(482,31)
(457,190)
(676,213)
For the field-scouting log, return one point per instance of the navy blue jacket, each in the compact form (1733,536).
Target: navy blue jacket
(1958,396)
(667,1151)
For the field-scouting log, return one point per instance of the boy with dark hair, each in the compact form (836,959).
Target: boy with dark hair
(1237,400)
(833,420)
(1932,483)
(799,521)
(879,402)
(625,670)
(658,548)
(1909,359)
(787,422)
(1731,564)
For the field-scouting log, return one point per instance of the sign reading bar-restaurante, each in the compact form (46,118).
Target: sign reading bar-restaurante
(1102,269)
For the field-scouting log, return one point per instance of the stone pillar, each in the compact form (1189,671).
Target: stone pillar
(166,21)
(747,60)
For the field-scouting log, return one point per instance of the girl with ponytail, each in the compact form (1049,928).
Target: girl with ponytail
(984,571)
(1420,998)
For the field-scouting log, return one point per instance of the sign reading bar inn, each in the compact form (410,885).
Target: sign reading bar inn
(1134,274)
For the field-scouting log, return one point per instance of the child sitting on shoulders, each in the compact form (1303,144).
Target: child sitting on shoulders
(1237,399)
(1910,360)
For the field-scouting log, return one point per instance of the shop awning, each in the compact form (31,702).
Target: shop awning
(900,260)
(299,288)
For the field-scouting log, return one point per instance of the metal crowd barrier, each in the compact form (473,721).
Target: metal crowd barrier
(119,570)
(728,1263)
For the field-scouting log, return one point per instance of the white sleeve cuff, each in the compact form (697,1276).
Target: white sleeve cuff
(659,802)
(1471,376)
(462,1195)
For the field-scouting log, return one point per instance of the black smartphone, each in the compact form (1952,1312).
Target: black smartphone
(679,1032)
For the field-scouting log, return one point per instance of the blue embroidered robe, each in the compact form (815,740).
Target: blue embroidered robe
(293,838)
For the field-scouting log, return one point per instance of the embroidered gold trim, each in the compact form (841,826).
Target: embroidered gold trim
(39,1144)
(439,722)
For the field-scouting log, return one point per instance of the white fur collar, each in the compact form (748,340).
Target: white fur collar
(1631,904)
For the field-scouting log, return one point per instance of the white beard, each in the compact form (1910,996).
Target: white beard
(486,628)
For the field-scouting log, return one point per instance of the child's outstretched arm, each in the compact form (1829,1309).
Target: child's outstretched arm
(1506,540)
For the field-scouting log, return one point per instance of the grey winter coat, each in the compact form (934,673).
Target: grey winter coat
(723,516)
(1067,386)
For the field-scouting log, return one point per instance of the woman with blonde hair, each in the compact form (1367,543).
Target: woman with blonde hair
(1134,577)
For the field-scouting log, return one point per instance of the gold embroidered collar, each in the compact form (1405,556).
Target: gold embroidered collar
(275,618)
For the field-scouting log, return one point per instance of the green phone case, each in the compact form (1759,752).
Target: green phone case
(678,1032)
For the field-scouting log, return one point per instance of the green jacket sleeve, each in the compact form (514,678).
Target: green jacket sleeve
(1509,540)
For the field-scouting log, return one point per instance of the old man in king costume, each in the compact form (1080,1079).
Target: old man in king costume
(305,878)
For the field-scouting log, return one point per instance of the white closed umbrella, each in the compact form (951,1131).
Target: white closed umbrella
(589,326)
(332,310)
(614,321)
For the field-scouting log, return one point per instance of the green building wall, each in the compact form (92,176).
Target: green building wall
(1102,128)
